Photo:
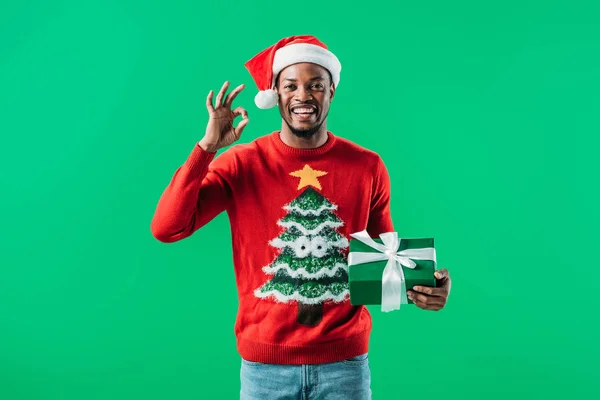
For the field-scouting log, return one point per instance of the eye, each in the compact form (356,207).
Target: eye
(289,86)
(318,85)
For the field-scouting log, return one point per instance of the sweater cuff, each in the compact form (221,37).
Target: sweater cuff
(199,160)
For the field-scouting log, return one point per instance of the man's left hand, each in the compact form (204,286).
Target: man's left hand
(432,298)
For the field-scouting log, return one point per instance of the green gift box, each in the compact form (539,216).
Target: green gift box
(365,277)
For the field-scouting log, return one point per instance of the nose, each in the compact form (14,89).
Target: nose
(302,94)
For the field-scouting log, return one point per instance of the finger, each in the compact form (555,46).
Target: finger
(222,93)
(240,111)
(431,291)
(424,299)
(209,102)
(240,127)
(430,307)
(420,304)
(231,96)
(441,274)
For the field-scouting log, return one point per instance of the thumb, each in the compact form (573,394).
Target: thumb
(240,127)
(441,274)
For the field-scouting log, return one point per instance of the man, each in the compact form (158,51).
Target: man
(293,197)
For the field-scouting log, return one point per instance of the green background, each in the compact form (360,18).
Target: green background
(486,114)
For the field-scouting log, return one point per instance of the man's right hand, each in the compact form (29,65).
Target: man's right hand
(220,131)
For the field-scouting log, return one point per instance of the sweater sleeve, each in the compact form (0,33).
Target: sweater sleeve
(197,193)
(380,219)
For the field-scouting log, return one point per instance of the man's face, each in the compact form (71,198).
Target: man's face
(305,91)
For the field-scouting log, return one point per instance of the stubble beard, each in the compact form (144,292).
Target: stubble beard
(305,133)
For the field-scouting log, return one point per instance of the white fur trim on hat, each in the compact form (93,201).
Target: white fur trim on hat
(306,52)
(266,99)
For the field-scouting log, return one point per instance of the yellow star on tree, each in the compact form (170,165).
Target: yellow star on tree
(308,176)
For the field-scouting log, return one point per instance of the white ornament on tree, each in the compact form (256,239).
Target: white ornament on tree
(302,247)
(319,247)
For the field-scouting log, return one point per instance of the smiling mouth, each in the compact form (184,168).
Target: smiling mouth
(304,113)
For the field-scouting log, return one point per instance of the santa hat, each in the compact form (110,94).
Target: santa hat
(265,66)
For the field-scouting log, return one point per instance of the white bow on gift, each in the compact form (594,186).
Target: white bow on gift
(393,284)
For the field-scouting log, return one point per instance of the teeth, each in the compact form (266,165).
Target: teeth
(303,110)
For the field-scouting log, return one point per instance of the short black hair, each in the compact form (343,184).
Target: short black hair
(277,78)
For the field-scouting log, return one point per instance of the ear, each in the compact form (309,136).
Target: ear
(331,92)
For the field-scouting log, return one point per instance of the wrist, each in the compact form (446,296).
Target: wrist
(206,147)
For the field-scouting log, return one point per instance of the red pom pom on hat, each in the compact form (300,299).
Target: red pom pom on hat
(265,66)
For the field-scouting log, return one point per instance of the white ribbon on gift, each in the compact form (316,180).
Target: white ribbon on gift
(393,284)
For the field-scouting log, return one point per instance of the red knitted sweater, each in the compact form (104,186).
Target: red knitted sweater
(291,213)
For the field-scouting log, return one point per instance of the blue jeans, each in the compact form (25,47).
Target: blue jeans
(343,380)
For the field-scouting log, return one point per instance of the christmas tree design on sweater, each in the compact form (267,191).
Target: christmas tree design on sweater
(311,267)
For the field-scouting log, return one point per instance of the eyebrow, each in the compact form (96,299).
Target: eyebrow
(320,78)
